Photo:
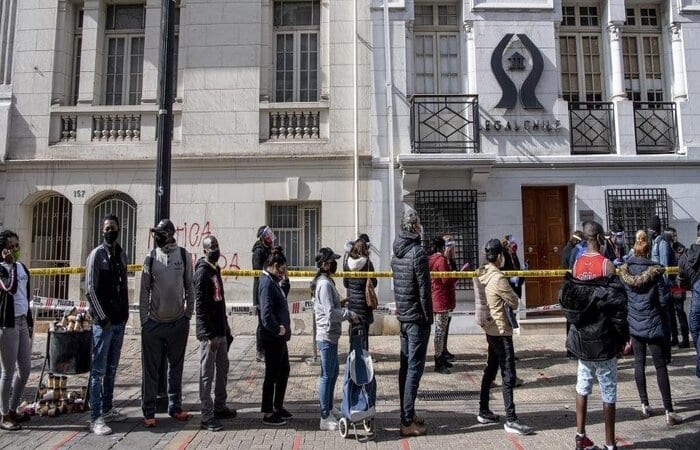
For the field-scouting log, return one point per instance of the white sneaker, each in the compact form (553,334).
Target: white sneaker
(673,418)
(328,424)
(646,410)
(99,427)
(113,415)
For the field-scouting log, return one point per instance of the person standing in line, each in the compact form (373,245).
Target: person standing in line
(214,335)
(16,328)
(166,305)
(450,246)
(442,293)
(644,283)
(595,303)
(358,261)
(576,237)
(329,318)
(615,249)
(676,308)
(414,309)
(500,302)
(689,278)
(275,333)
(107,289)
(261,251)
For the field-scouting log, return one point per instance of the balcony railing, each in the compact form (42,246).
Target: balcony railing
(445,124)
(655,127)
(592,127)
(288,122)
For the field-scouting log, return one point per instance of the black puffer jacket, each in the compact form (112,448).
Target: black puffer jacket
(411,280)
(597,312)
(260,255)
(689,267)
(357,301)
(210,303)
(646,302)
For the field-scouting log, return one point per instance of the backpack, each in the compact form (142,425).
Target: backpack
(183,256)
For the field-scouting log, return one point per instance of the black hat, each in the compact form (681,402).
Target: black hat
(325,254)
(261,230)
(165,225)
(364,237)
(493,247)
(654,223)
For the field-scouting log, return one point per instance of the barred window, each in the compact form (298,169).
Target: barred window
(632,209)
(298,230)
(124,207)
(51,236)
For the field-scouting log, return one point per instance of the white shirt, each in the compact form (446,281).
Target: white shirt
(20,297)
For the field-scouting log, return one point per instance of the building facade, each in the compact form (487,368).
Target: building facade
(490,117)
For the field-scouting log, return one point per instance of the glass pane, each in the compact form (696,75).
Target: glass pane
(449,65)
(284,70)
(136,70)
(589,16)
(126,17)
(308,68)
(115,71)
(296,13)
(425,64)
(424,15)
(76,68)
(447,15)
(569,78)
(629,12)
(568,16)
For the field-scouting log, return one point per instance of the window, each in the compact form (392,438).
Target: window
(632,208)
(298,230)
(452,212)
(77,50)
(436,47)
(297,26)
(51,235)
(124,45)
(579,46)
(124,207)
(641,53)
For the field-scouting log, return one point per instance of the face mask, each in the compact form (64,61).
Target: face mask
(213,256)
(15,255)
(161,239)
(334,267)
(110,236)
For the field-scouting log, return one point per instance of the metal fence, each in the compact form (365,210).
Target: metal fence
(655,127)
(445,124)
(592,129)
(632,208)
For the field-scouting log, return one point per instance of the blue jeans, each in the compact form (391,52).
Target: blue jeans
(106,350)
(329,375)
(694,324)
(414,345)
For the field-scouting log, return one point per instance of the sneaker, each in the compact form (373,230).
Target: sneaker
(418,419)
(518,428)
(283,413)
(448,356)
(673,418)
(260,357)
(211,425)
(646,411)
(335,412)
(414,429)
(181,415)
(113,416)
(274,420)
(8,424)
(228,413)
(584,443)
(99,427)
(328,424)
(487,417)
(149,422)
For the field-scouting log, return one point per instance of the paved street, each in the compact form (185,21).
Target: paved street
(546,402)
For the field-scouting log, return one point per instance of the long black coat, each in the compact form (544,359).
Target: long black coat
(646,301)
(357,300)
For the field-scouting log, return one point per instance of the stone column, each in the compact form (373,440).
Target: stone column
(617,86)
(680,92)
(324,51)
(92,52)
(410,59)
(469,66)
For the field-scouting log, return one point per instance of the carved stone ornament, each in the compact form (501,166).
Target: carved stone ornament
(409,26)
(468,26)
(675,30)
(615,30)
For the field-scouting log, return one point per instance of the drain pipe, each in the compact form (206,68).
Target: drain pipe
(389,124)
(356,150)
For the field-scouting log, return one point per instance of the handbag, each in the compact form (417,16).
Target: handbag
(370,293)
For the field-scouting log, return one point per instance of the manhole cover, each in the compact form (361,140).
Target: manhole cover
(441,396)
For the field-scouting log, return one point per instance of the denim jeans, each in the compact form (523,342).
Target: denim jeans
(16,363)
(414,345)
(106,350)
(500,354)
(329,375)
(694,324)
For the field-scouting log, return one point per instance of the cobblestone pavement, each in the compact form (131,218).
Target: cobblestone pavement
(546,402)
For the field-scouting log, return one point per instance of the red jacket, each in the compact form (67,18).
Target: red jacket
(443,289)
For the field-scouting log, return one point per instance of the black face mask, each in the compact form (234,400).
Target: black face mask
(334,267)
(110,236)
(161,239)
(213,256)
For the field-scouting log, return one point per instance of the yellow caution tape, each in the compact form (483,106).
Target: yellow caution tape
(553,273)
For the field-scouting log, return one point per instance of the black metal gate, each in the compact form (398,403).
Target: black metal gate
(632,208)
(452,212)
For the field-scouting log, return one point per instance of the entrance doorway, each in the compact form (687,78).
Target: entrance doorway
(545,231)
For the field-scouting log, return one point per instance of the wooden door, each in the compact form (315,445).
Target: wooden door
(545,231)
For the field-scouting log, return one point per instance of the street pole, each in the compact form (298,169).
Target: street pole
(164,129)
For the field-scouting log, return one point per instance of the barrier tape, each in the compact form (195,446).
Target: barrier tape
(58,303)
(535,273)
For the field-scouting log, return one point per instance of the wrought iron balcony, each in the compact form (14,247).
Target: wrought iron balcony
(592,127)
(655,127)
(445,124)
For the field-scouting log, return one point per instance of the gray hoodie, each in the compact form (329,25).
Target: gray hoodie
(329,314)
(168,293)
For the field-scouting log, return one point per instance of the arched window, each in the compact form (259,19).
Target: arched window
(51,233)
(124,207)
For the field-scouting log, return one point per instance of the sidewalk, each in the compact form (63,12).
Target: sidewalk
(546,402)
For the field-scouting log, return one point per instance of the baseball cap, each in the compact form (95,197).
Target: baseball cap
(165,225)
(325,254)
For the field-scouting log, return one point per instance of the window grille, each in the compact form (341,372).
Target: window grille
(632,209)
(124,207)
(51,234)
(452,212)
(298,231)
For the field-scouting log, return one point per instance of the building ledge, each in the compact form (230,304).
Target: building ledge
(613,160)
(445,161)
